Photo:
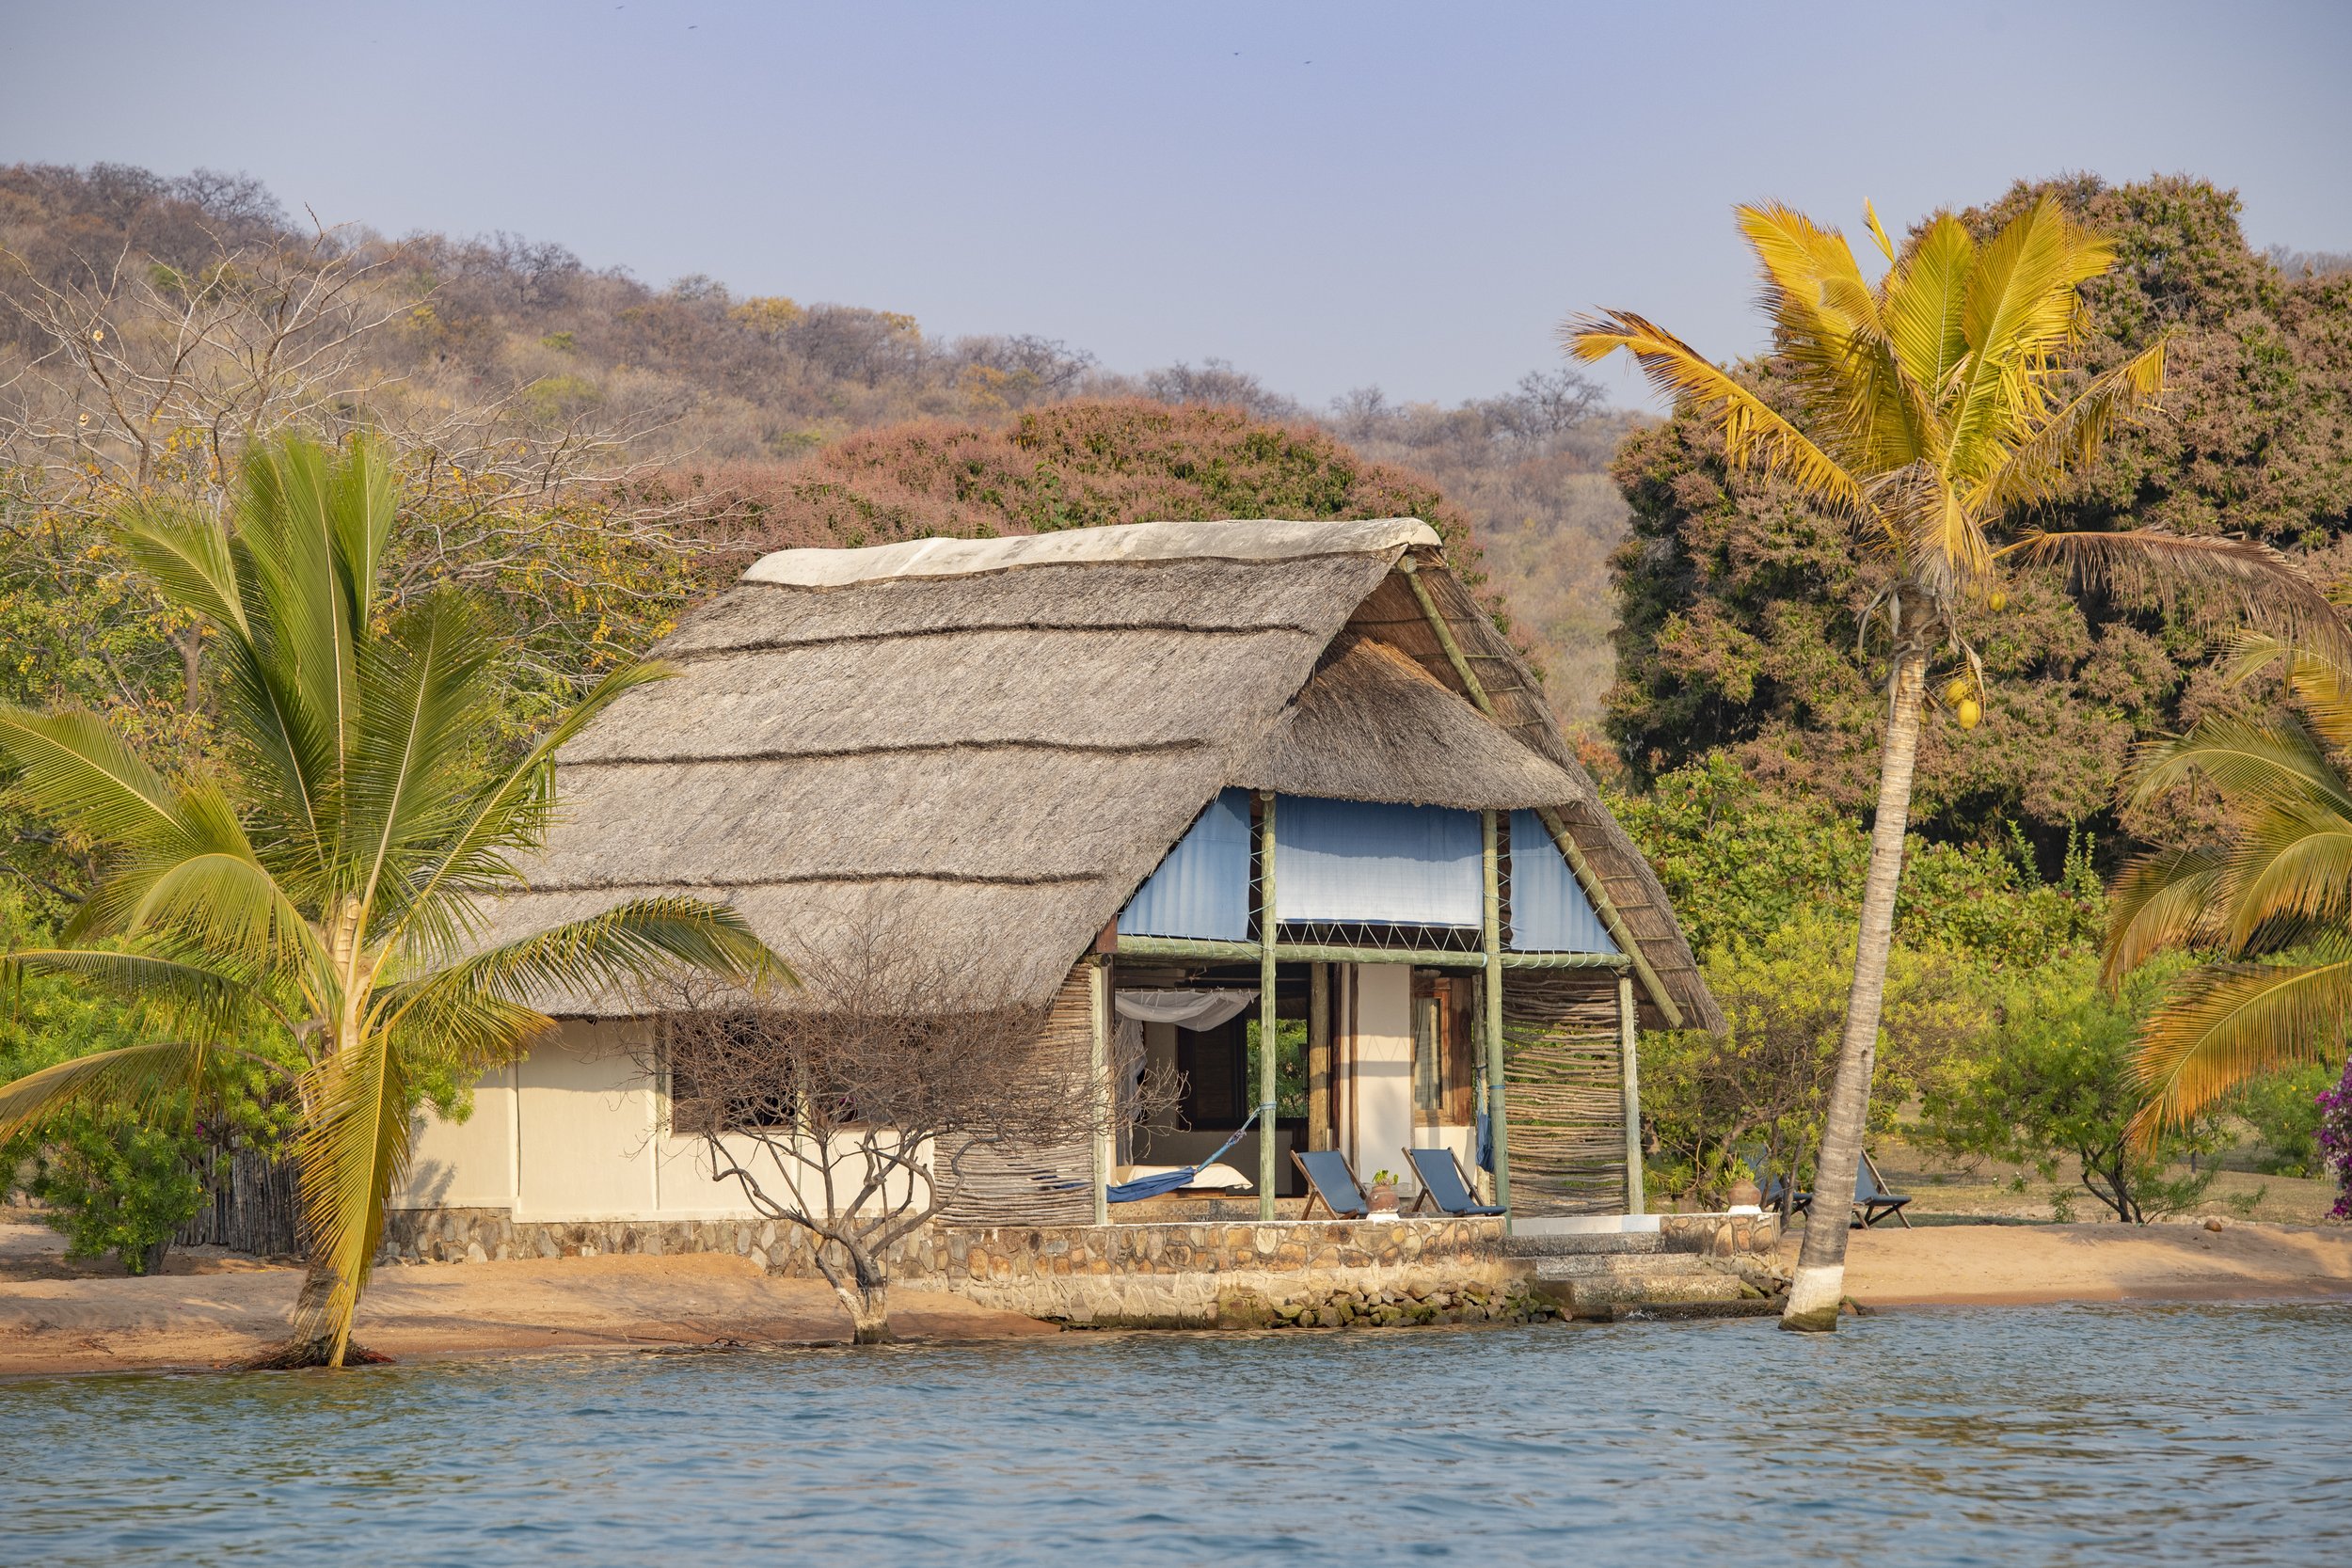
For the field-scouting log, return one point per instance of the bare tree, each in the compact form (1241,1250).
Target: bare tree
(852,1104)
(142,381)
(1216,382)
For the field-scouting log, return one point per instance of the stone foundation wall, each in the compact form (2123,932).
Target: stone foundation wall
(1182,1275)
(1242,1275)
(1721,1235)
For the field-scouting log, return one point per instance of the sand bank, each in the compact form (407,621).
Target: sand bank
(228,1310)
(212,1310)
(1995,1264)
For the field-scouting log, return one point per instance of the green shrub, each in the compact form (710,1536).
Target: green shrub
(1740,859)
(2057,1082)
(111,1181)
(1763,1085)
(2284,1110)
(114,1185)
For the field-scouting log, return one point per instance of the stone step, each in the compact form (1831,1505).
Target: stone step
(1592,1287)
(1590,1265)
(1582,1244)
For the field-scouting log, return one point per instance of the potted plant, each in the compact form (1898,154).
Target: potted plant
(1383,1196)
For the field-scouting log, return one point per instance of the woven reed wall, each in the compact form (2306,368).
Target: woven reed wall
(250,1205)
(1054,1185)
(1564,1073)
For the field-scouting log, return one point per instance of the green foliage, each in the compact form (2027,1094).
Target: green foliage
(1763,1085)
(2284,1112)
(114,1180)
(110,1182)
(1740,860)
(1289,1065)
(114,1183)
(2056,1082)
(319,882)
(1739,601)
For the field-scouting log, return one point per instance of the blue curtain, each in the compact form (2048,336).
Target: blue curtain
(1550,912)
(1348,861)
(1201,889)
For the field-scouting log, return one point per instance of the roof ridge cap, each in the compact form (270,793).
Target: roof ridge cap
(1267,540)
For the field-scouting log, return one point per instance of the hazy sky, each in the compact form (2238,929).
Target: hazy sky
(1329,195)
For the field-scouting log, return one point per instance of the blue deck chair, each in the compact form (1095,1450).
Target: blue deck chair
(1443,1185)
(1331,1183)
(1872,1202)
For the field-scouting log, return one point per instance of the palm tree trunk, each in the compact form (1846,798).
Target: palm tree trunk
(1821,1281)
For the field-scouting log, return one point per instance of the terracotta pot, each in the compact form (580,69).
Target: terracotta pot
(1383,1198)
(1745,1194)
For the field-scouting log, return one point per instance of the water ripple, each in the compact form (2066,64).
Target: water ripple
(2059,1435)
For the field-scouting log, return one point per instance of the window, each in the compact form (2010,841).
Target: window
(726,1071)
(1429,1053)
(1445,1056)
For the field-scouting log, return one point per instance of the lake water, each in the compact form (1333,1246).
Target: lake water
(2017,1435)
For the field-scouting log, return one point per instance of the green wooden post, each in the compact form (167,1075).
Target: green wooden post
(1628,1041)
(1106,1094)
(1270,1032)
(1497,1124)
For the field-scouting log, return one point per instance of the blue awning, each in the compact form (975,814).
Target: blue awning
(1348,862)
(1550,912)
(1201,889)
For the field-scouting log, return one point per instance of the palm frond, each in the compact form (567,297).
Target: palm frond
(426,696)
(643,940)
(2225,581)
(2165,900)
(190,560)
(1942,546)
(510,815)
(288,764)
(174,995)
(200,882)
(362,508)
(135,1076)
(2226,1023)
(2256,766)
(2022,308)
(2290,871)
(1878,233)
(73,766)
(2321,688)
(353,1152)
(1927,293)
(286,515)
(2036,469)
(1828,327)
(1754,435)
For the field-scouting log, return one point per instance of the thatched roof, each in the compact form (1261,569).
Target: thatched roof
(998,739)
(1374,725)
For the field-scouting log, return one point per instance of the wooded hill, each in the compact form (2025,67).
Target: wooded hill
(764,420)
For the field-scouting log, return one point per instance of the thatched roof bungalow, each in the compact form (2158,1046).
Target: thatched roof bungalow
(1076,759)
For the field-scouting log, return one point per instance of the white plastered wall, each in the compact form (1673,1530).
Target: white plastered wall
(1378,1086)
(469,1164)
(576,1130)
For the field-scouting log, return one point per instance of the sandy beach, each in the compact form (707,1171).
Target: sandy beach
(2015,1264)
(210,1310)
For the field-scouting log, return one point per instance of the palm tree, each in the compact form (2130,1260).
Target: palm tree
(2269,907)
(1927,419)
(323,880)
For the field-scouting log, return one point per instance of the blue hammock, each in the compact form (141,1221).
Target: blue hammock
(1168,1180)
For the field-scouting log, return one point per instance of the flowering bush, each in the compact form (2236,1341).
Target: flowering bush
(2335,1140)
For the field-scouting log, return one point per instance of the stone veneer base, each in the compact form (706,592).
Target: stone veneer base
(1196,1274)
